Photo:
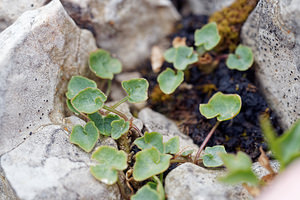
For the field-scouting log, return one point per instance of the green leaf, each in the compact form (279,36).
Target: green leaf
(222,106)
(119,127)
(208,36)
(137,89)
(150,140)
(241,60)
(103,123)
(150,162)
(159,188)
(110,162)
(181,57)
(71,108)
(89,100)
(103,65)
(172,146)
(286,148)
(187,153)
(78,83)
(146,193)
(169,81)
(85,137)
(239,169)
(211,157)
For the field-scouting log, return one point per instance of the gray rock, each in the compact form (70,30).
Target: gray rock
(6,192)
(207,7)
(10,10)
(48,166)
(126,28)
(191,182)
(38,55)
(273,32)
(156,122)
(71,121)
(260,171)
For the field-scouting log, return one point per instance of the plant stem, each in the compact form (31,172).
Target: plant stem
(108,87)
(118,103)
(205,141)
(177,161)
(161,177)
(110,109)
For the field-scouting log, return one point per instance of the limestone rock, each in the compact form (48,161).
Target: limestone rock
(38,55)
(126,28)
(156,122)
(48,166)
(207,7)
(273,32)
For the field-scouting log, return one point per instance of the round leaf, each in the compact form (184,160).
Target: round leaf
(211,157)
(71,108)
(78,83)
(172,146)
(181,57)
(103,65)
(222,106)
(150,140)
(86,137)
(137,89)
(241,60)
(208,36)
(110,161)
(119,127)
(169,81)
(146,193)
(89,100)
(150,162)
(103,123)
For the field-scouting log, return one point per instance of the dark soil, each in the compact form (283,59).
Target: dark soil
(241,133)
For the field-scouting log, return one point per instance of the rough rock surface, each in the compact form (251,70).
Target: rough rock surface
(48,166)
(124,27)
(156,122)
(38,54)
(273,32)
(207,7)
(10,10)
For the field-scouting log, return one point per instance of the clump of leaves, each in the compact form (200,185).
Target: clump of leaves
(242,60)
(223,107)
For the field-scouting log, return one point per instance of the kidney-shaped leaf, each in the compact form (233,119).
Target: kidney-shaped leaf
(222,106)
(103,65)
(89,100)
(78,83)
(211,157)
(137,89)
(85,137)
(110,162)
(150,140)
(146,193)
(181,57)
(239,169)
(119,127)
(172,146)
(168,81)
(241,60)
(103,123)
(150,162)
(71,108)
(208,36)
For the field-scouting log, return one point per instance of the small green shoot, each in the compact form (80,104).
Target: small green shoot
(89,100)
(239,169)
(181,57)
(85,137)
(150,191)
(208,36)
(137,89)
(78,83)
(172,146)
(103,123)
(241,60)
(150,162)
(103,65)
(222,106)
(187,153)
(286,148)
(211,157)
(169,81)
(110,162)
(119,127)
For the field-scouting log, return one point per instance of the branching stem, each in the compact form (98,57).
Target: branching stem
(108,87)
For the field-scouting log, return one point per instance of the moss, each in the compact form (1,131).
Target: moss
(230,21)
(158,96)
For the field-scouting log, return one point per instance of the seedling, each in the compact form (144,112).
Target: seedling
(110,162)
(223,107)
(242,60)
(211,156)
